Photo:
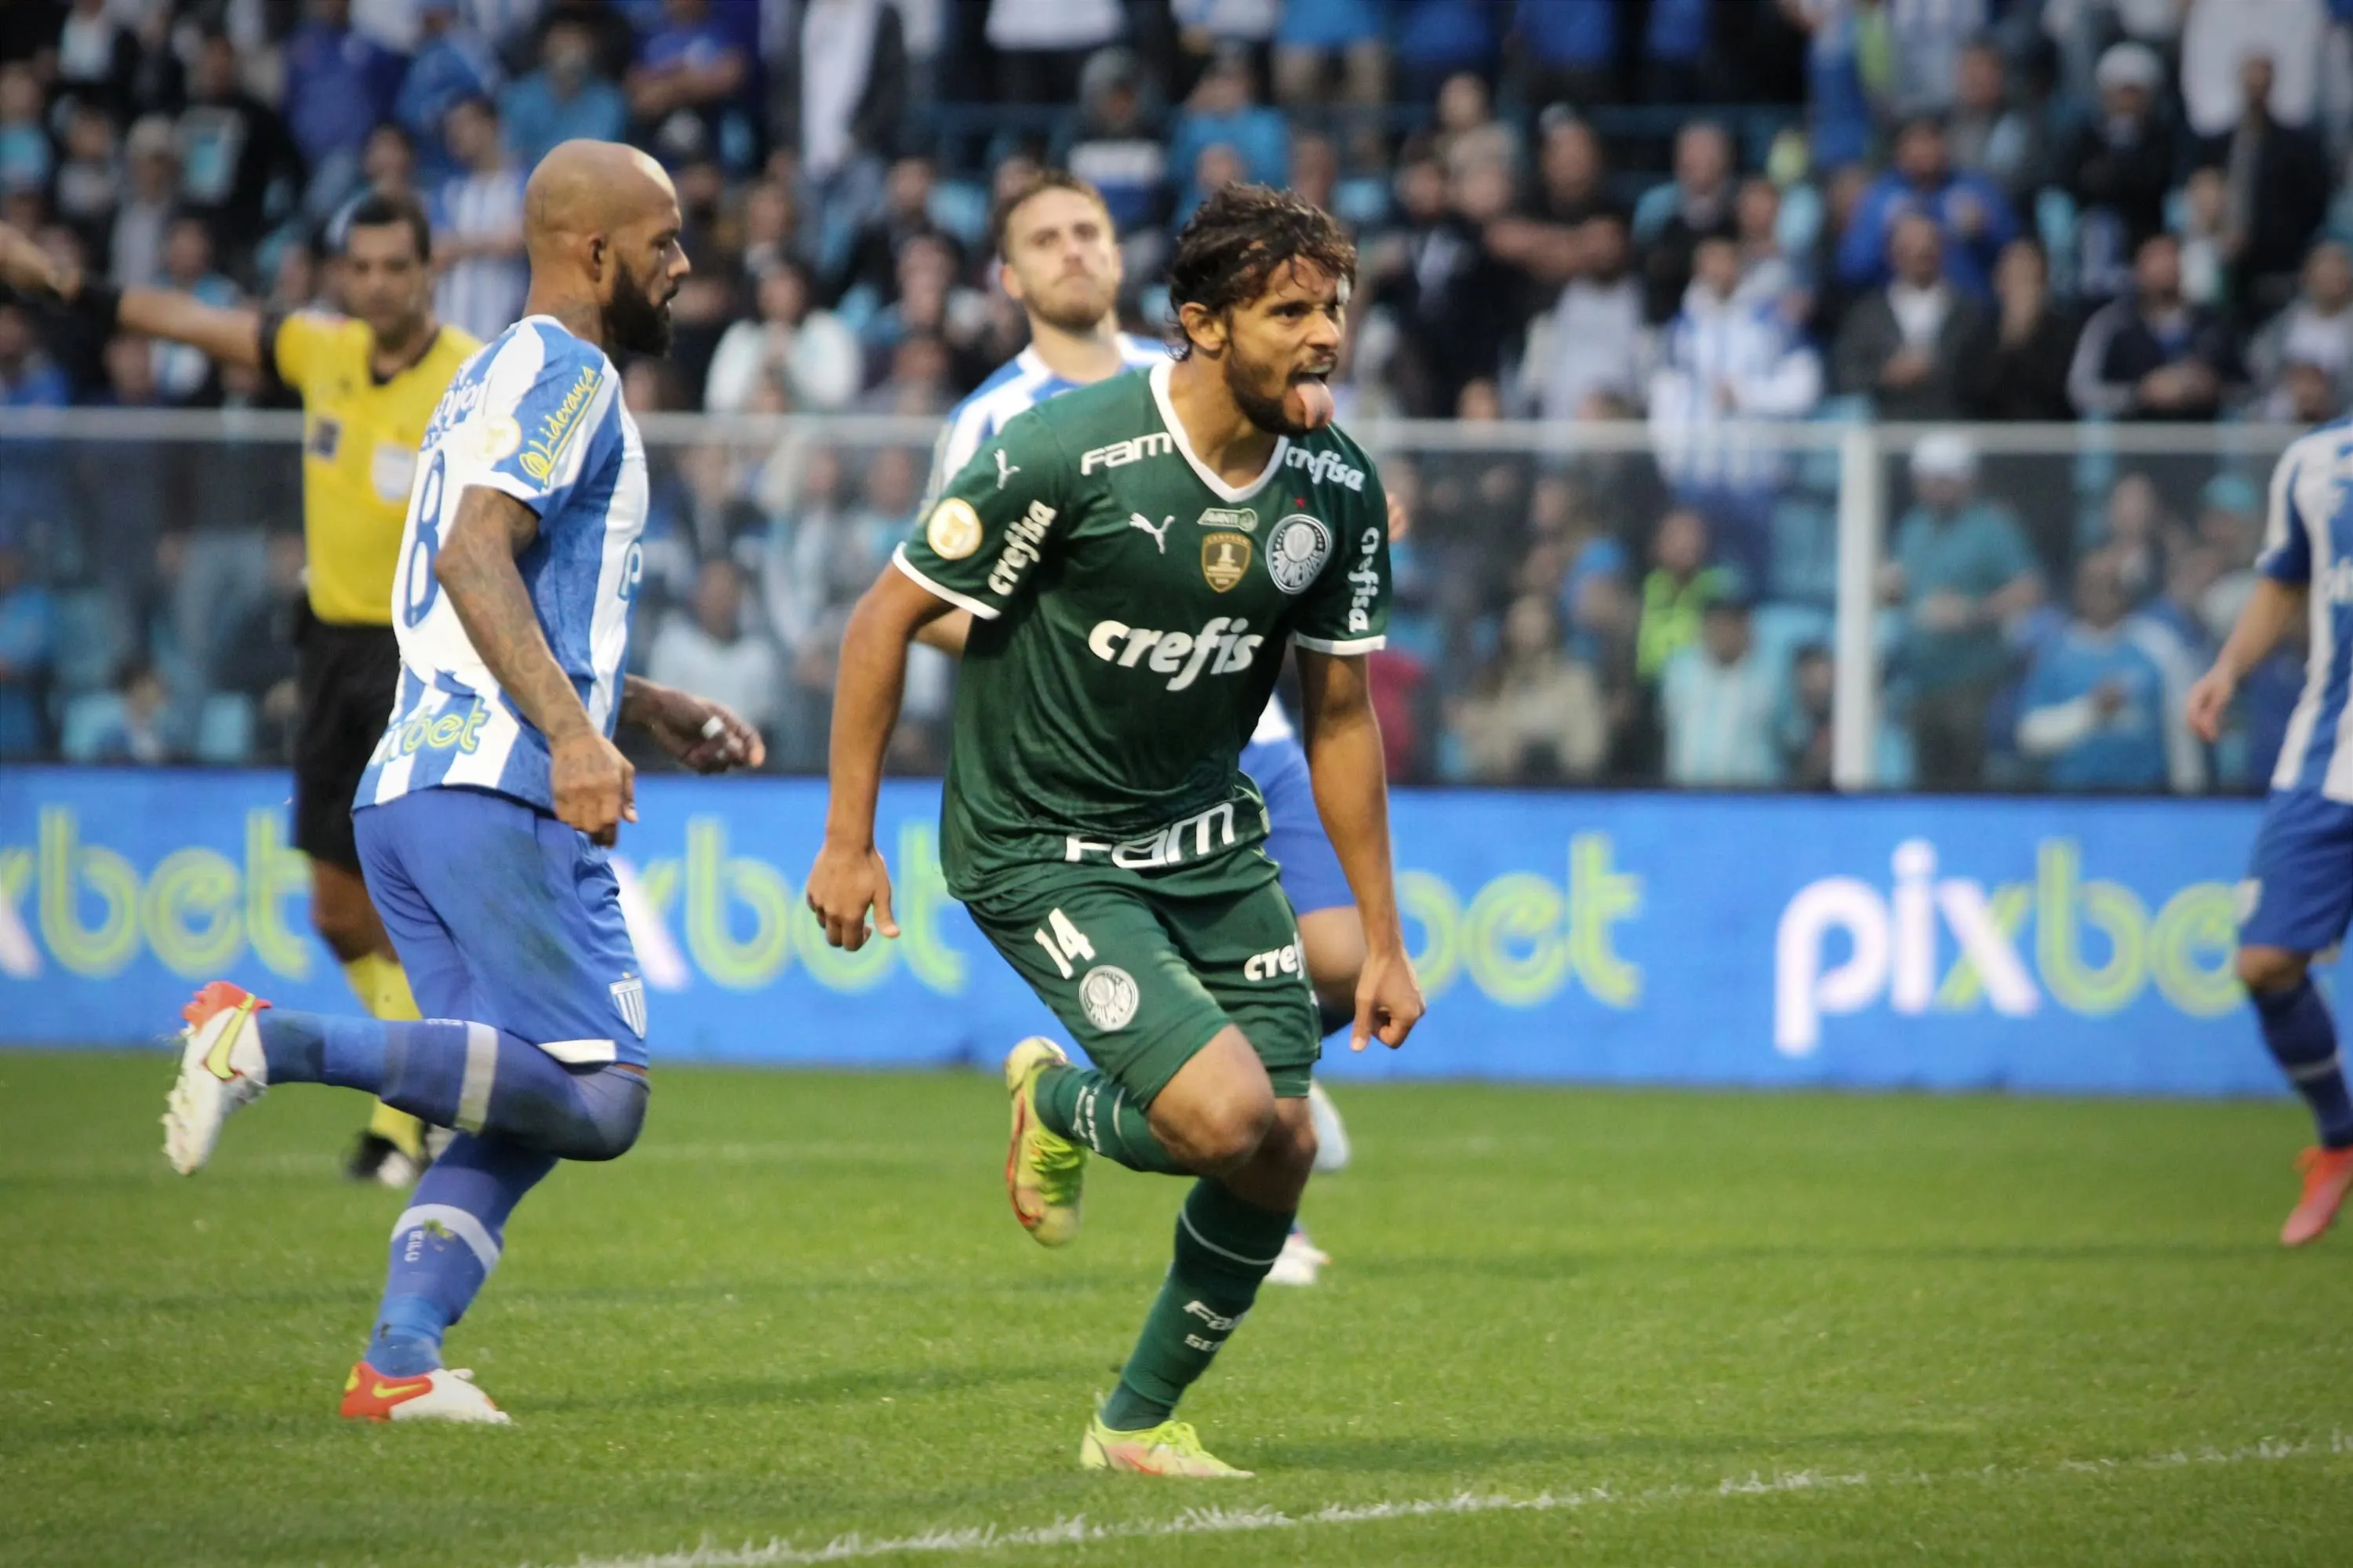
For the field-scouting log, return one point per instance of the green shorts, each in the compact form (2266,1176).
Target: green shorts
(1145,970)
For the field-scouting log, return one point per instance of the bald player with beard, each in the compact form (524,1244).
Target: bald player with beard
(483,817)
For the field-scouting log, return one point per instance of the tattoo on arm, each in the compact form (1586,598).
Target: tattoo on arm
(477,569)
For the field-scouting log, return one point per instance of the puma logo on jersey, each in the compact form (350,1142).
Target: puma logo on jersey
(1005,471)
(1119,454)
(1220,648)
(1159,534)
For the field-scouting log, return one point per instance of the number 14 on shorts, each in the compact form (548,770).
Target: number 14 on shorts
(1065,941)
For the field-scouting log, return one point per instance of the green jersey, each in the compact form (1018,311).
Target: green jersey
(1130,611)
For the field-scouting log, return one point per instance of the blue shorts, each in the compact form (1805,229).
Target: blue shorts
(2298,894)
(1312,878)
(503,915)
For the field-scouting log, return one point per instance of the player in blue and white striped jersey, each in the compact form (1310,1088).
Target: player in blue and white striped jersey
(2297,898)
(482,816)
(1059,260)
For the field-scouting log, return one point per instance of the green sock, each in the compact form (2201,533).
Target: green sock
(1087,1107)
(1224,1248)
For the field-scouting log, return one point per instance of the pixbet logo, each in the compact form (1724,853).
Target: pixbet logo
(1892,941)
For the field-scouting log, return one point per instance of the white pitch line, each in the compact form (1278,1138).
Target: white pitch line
(1213,1520)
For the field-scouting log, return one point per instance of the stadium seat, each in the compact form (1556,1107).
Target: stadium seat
(89,720)
(224,728)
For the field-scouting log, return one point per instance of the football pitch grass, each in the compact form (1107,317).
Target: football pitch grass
(797,1324)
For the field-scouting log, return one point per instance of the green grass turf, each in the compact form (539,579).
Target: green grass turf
(800,1310)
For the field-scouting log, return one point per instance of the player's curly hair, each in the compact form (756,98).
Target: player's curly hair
(1232,247)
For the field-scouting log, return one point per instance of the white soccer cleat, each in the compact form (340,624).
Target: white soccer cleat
(438,1396)
(1331,1149)
(1299,1261)
(221,1068)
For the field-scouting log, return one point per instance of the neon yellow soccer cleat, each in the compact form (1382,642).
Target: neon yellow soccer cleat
(1171,1448)
(1044,1171)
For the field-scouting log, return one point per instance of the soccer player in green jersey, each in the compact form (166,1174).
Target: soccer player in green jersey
(1136,555)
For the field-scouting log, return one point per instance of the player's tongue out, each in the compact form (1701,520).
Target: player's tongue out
(1310,403)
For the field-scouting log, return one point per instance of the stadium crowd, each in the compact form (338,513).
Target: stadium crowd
(1712,216)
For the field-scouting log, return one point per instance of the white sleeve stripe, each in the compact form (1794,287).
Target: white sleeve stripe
(1345,645)
(899,559)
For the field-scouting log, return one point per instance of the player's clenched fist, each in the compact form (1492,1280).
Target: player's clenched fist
(1388,1002)
(2210,699)
(594,784)
(845,883)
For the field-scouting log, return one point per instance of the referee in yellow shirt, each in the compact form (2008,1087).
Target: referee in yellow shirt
(368,382)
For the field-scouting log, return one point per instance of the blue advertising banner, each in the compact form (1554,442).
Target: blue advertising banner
(2034,944)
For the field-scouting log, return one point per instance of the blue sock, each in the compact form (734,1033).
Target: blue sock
(466,1076)
(2303,1040)
(443,1246)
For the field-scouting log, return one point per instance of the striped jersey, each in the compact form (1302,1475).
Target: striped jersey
(1018,386)
(2308,542)
(536,415)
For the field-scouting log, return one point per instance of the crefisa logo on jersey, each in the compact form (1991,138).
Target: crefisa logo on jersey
(1224,558)
(1296,550)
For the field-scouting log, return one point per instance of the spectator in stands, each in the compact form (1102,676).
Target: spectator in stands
(25,156)
(1925,41)
(1839,110)
(89,181)
(566,97)
(1962,572)
(767,231)
(1971,210)
(1595,344)
(185,376)
(1436,38)
(2277,184)
(1535,714)
(1916,346)
(2024,374)
(388,168)
(339,83)
(687,91)
(2152,356)
(2103,707)
(1677,592)
(1042,44)
(1222,110)
(232,148)
(808,358)
(134,240)
(709,646)
(2207,245)
(140,731)
(453,63)
(2314,329)
(98,55)
(1121,148)
(27,646)
(1453,300)
(1568,53)
(1723,362)
(1992,134)
(131,373)
(842,91)
(1315,34)
(2192,570)
(2119,167)
(1721,707)
(904,213)
(257,656)
(918,384)
(1572,173)
(1805,734)
(28,378)
(1705,205)
(478,227)
(1769,276)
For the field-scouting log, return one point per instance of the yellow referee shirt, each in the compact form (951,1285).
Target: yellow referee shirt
(360,438)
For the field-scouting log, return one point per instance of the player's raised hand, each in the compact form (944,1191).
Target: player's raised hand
(1388,1002)
(25,265)
(2210,699)
(846,881)
(705,735)
(594,784)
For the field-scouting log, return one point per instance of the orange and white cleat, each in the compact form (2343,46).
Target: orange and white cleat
(221,1068)
(2327,1177)
(438,1396)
